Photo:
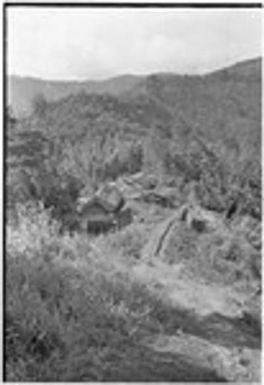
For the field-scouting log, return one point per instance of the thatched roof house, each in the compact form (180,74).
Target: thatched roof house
(98,213)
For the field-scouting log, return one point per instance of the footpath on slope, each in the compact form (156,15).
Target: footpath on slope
(206,328)
(209,333)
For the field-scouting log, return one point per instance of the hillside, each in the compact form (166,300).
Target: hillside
(165,287)
(247,70)
(21,91)
(163,125)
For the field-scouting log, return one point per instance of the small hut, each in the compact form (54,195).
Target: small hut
(100,213)
(96,216)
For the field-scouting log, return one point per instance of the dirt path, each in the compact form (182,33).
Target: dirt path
(156,242)
(208,330)
(205,338)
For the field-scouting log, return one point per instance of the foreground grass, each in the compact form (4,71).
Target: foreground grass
(61,325)
(69,324)
(75,314)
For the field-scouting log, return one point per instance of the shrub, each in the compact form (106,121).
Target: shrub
(128,242)
(33,229)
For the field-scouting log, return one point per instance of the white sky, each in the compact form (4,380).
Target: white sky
(86,43)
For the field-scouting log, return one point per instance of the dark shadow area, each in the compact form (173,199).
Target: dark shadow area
(232,331)
(216,328)
(141,364)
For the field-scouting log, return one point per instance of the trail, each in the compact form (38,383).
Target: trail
(155,244)
(207,330)
(206,336)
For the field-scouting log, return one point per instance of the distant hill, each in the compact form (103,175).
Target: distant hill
(223,104)
(247,70)
(21,91)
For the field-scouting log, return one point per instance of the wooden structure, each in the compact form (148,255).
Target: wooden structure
(103,211)
(96,216)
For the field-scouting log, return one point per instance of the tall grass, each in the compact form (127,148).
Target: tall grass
(229,256)
(70,315)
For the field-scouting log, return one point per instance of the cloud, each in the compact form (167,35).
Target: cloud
(98,43)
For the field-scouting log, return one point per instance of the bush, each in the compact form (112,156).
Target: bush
(32,230)
(223,175)
(128,242)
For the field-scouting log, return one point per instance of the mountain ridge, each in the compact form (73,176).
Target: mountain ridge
(254,60)
(21,91)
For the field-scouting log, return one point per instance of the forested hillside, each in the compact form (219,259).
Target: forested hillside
(173,295)
(23,90)
(168,123)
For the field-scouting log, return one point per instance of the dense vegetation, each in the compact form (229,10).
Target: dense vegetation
(72,314)
(202,129)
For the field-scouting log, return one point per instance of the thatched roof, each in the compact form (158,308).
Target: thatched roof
(110,194)
(96,201)
(108,197)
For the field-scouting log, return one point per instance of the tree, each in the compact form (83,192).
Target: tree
(39,105)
